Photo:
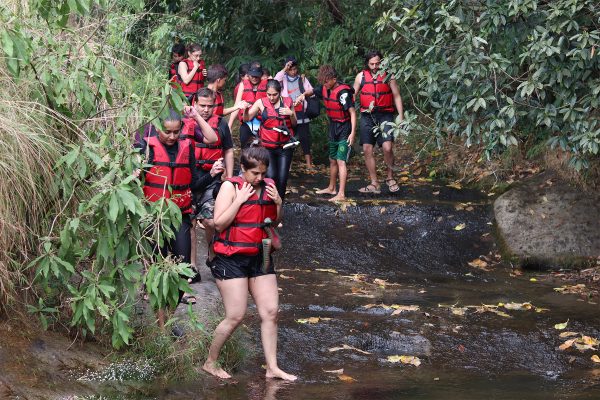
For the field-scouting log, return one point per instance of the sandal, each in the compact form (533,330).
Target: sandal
(392,185)
(188,299)
(370,188)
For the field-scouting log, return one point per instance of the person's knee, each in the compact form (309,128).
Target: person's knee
(387,146)
(269,314)
(368,150)
(234,319)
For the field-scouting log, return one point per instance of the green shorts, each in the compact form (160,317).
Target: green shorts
(339,150)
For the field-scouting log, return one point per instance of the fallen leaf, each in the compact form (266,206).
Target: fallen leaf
(455,185)
(562,326)
(347,347)
(479,263)
(282,276)
(346,378)
(590,341)
(401,309)
(334,371)
(461,348)
(595,358)
(350,226)
(566,344)
(311,320)
(382,246)
(331,271)
(568,334)
(460,227)
(436,193)
(404,179)
(532,280)
(381,210)
(412,360)
(518,306)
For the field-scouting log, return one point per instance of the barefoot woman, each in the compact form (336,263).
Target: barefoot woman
(241,206)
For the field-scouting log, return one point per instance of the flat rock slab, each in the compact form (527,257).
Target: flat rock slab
(546,221)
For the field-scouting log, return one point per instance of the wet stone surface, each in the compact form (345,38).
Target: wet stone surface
(389,276)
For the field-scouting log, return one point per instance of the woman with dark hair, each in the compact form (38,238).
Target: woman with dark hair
(296,86)
(243,204)
(173,175)
(278,119)
(192,71)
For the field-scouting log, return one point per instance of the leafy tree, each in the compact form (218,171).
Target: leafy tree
(497,73)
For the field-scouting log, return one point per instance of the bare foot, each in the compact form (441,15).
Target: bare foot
(215,370)
(279,374)
(339,197)
(326,191)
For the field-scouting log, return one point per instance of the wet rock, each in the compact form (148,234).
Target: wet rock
(547,222)
(394,344)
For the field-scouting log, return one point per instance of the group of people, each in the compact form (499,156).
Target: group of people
(192,164)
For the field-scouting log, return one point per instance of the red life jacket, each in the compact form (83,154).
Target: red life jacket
(197,81)
(207,154)
(245,234)
(219,104)
(334,109)
(170,180)
(251,94)
(271,139)
(375,90)
(187,131)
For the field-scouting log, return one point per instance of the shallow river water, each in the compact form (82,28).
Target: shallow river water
(389,277)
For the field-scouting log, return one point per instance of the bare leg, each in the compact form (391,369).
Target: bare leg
(341,196)
(388,157)
(333,170)
(370,163)
(209,232)
(235,299)
(308,159)
(265,295)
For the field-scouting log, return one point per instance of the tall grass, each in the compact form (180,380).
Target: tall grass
(29,147)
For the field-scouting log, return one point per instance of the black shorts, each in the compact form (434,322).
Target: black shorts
(239,266)
(368,121)
(339,131)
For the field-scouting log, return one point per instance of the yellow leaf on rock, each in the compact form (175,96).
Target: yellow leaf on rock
(568,334)
(589,340)
(479,263)
(412,360)
(595,358)
(331,271)
(346,378)
(347,347)
(562,326)
(460,227)
(400,309)
(567,344)
(455,185)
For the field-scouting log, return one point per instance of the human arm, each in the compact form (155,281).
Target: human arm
(273,194)
(229,162)
(251,112)
(208,134)
(228,203)
(227,143)
(238,99)
(186,76)
(237,106)
(200,181)
(352,112)
(357,82)
(397,98)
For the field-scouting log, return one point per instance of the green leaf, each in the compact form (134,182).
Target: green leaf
(113,208)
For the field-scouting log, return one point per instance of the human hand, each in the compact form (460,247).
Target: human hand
(243,193)
(351,139)
(190,112)
(204,72)
(217,168)
(288,65)
(242,105)
(196,63)
(273,194)
(299,99)
(285,111)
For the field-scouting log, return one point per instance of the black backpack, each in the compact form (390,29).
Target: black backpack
(313,105)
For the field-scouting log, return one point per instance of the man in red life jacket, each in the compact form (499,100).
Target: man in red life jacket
(217,78)
(338,100)
(379,100)
(215,160)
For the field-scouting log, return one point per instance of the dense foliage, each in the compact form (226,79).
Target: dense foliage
(500,73)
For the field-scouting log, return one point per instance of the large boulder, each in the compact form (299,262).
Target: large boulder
(547,222)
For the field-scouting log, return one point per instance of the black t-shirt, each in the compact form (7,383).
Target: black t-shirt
(225,135)
(344,96)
